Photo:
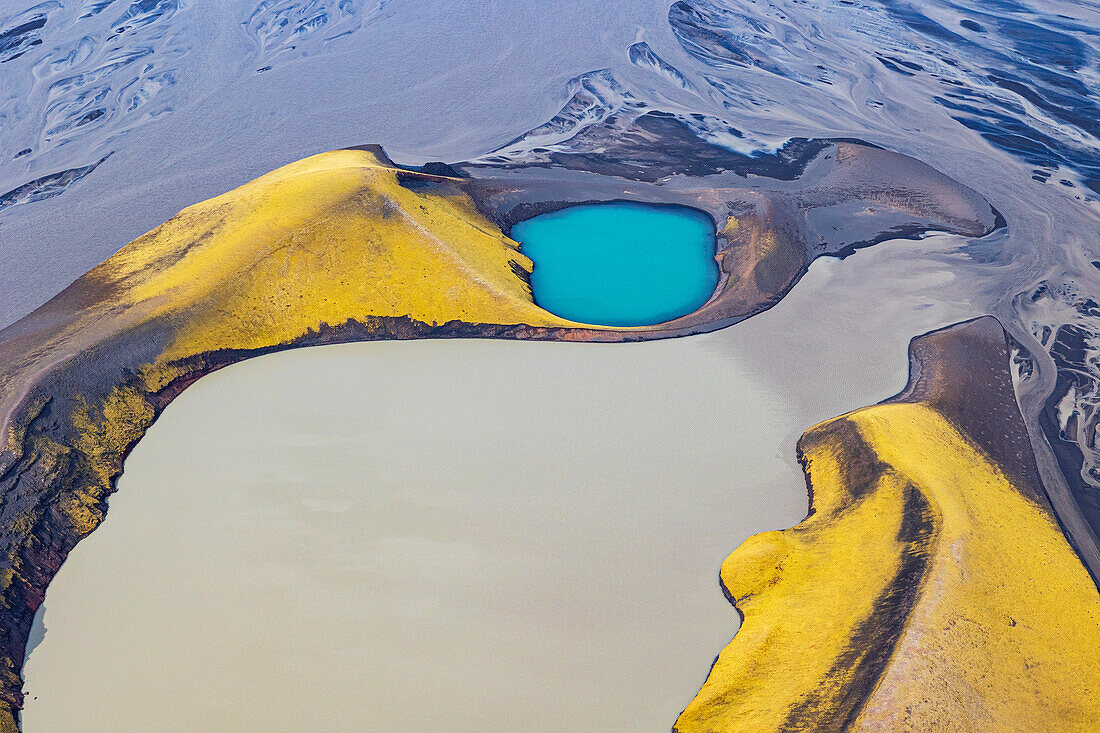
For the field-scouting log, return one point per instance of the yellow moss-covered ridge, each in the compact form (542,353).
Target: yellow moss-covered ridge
(925,591)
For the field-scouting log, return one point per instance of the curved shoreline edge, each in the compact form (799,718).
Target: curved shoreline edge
(345,246)
(930,586)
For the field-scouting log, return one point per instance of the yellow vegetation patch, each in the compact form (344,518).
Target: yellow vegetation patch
(321,241)
(82,515)
(1007,632)
(103,434)
(999,626)
(120,422)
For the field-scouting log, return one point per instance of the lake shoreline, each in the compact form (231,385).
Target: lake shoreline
(93,368)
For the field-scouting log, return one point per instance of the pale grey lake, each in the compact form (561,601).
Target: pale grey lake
(462,535)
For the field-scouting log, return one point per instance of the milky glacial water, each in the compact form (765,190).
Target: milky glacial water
(620,264)
(115,114)
(462,535)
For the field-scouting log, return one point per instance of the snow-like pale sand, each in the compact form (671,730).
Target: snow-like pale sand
(462,535)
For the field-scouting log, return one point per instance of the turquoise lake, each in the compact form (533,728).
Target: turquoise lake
(620,263)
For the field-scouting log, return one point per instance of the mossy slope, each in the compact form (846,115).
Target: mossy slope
(345,246)
(330,248)
(930,588)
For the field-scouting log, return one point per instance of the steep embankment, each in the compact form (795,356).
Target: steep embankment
(930,587)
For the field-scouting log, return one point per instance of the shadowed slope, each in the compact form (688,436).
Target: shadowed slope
(930,588)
